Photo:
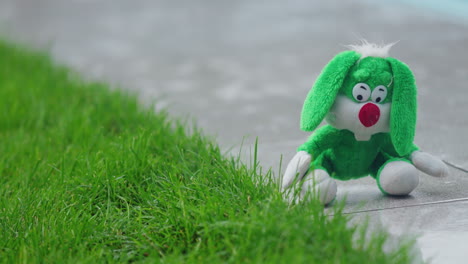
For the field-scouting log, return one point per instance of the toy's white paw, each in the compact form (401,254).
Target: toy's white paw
(398,178)
(319,185)
(297,167)
(429,164)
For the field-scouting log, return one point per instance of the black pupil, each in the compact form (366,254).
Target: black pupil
(359,97)
(378,99)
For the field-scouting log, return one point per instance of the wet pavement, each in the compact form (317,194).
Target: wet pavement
(242,69)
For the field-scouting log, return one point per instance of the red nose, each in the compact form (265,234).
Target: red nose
(369,114)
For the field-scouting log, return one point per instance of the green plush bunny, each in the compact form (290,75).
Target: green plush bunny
(369,102)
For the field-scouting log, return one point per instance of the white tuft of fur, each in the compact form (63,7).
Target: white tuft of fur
(367,49)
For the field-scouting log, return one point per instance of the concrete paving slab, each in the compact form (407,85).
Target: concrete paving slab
(243,68)
(364,195)
(440,230)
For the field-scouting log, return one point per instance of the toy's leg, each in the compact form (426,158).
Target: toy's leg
(318,183)
(397,177)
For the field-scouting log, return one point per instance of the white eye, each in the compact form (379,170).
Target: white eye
(361,92)
(379,94)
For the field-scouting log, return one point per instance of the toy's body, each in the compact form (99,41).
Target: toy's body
(343,157)
(369,103)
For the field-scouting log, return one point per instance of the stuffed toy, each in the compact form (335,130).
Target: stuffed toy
(368,101)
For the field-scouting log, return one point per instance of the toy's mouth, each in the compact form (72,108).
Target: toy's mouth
(369,114)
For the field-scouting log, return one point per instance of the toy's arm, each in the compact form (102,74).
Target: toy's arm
(322,139)
(429,164)
(298,166)
(423,161)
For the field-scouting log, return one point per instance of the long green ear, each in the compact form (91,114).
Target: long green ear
(404,107)
(320,98)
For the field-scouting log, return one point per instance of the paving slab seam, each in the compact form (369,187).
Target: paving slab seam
(455,166)
(407,206)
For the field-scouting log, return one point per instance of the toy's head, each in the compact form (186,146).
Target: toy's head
(366,92)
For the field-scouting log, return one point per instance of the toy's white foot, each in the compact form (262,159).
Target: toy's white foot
(398,178)
(319,184)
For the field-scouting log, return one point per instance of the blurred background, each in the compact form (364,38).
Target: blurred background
(241,69)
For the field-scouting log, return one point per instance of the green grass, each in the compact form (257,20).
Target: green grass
(87,175)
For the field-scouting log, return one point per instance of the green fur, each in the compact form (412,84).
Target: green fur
(322,95)
(370,70)
(403,114)
(337,151)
